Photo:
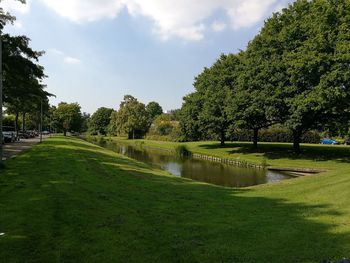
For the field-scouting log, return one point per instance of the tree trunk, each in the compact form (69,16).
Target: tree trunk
(23,121)
(64,132)
(255,138)
(133,134)
(296,141)
(16,125)
(222,138)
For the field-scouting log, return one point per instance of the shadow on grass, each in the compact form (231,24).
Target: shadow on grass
(278,151)
(115,208)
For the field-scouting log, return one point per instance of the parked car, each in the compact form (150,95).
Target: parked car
(46,132)
(8,136)
(24,135)
(329,141)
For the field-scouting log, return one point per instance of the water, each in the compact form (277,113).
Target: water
(198,170)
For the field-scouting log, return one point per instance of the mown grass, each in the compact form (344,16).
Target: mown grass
(69,201)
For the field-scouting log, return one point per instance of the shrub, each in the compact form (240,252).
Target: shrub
(275,134)
(182,151)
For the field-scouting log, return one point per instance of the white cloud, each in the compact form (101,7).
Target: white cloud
(85,10)
(71,60)
(18,24)
(186,19)
(249,12)
(63,57)
(218,26)
(15,6)
(55,51)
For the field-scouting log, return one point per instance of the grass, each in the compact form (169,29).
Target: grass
(69,201)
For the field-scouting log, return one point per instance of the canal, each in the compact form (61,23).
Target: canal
(195,169)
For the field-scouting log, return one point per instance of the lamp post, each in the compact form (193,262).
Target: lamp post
(1,147)
(41,120)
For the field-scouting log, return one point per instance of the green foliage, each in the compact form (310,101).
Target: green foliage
(182,151)
(294,72)
(154,109)
(98,124)
(23,89)
(163,125)
(68,117)
(274,134)
(8,120)
(6,17)
(132,118)
(164,128)
(302,54)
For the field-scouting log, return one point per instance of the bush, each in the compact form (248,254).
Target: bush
(275,134)
(182,151)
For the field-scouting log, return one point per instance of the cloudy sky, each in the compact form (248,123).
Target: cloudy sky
(99,50)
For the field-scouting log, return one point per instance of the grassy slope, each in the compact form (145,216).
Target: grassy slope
(70,201)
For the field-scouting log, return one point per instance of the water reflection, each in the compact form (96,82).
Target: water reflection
(199,170)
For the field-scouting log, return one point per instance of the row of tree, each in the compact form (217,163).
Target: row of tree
(133,118)
(294,72)
(23,90)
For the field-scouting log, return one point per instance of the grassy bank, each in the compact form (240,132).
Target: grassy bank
(271,154)
(69,201)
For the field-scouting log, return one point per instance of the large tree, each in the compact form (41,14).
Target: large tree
(154,109)
(132,118)
(253,104)
(307,46)
(205,109)
(68,117)
(189,118)
(100,120)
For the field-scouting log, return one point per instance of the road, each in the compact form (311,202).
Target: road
(12,149)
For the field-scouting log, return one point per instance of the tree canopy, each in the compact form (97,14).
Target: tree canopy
(100,120)
(68,117)
(154,109)
(132,118)
(294,72)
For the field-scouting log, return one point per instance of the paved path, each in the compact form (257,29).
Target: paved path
(12,149)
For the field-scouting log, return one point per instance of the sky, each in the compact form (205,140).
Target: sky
(97,51)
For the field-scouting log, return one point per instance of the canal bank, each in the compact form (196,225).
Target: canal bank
(277,156)
(195,167)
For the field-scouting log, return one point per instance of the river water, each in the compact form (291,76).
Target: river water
(198,170)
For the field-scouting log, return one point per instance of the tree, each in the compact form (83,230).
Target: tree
(68,117)
(100,120)
(154,109)
(132,118)
(189,117)
(252,104)
(163,125)
(307,46)
(23,90)
(205,109)
(6,17)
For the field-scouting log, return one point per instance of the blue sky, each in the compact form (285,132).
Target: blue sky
(99,50)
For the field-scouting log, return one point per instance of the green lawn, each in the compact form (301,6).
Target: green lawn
(69,201)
